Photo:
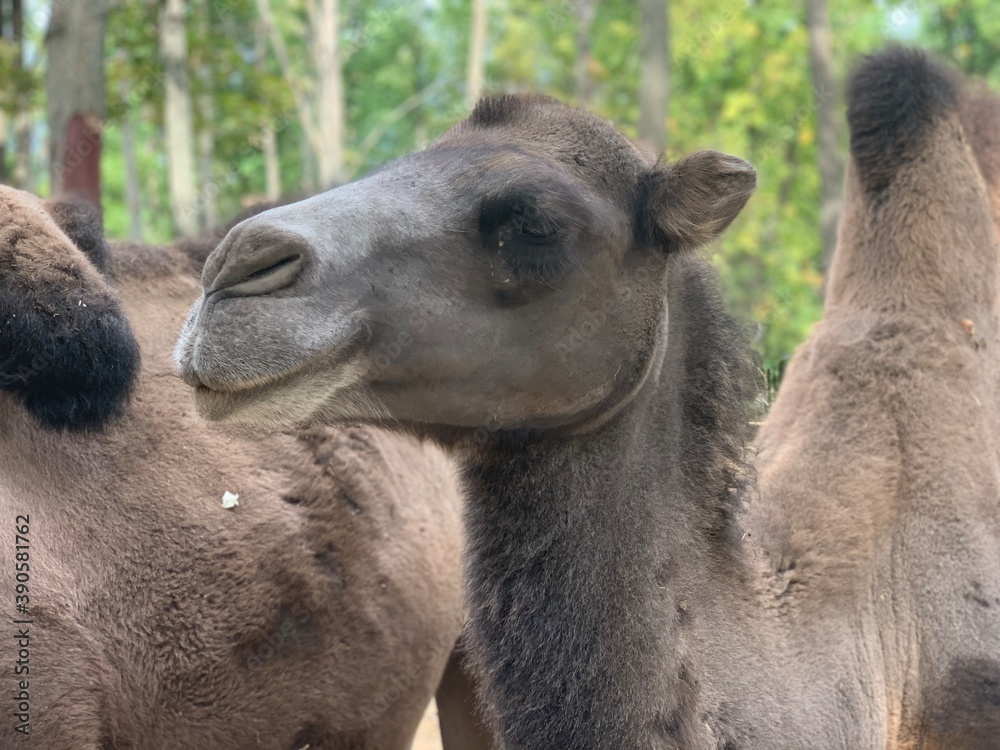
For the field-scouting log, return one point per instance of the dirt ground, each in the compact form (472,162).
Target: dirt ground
(428,737)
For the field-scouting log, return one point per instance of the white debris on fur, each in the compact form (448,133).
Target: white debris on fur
(230,499)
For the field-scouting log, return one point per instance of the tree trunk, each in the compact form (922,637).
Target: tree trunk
(133,193)
(153,179)
(21,174)
(74,87)
(308,183)
(585,12)
(654,83)
(23,118)
(4,179)
(827,123)
(272,165)
(178,119)
(206,160)
(322,118)
(4,122)
(477,44)
(329,106)
(268,138)
(206,133)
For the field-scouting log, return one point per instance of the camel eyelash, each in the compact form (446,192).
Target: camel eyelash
(517,218)
(531,261)
(526,237)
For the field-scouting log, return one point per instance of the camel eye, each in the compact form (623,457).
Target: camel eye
(531,225)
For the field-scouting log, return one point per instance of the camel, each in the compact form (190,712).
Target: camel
(900,379)
(527,293)
(66,349)
(317,610)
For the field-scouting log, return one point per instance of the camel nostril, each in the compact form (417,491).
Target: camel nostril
(261,277)
(276,273)
(256,261)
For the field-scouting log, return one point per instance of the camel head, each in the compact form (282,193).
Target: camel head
(512,275)
(66,350)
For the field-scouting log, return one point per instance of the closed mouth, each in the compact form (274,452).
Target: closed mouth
(219,400)
(240,393)
(327,360)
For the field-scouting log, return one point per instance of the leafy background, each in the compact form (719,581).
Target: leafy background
(739,81)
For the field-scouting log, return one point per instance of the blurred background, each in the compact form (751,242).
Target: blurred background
(176,114)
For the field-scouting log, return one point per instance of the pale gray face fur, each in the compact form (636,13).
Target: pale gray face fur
(503,277)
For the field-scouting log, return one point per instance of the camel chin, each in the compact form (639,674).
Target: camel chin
(285,402)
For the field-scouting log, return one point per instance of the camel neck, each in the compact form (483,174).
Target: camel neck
(918,251)
(580,552)
(583,549)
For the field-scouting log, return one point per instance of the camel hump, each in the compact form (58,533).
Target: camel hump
(894,99)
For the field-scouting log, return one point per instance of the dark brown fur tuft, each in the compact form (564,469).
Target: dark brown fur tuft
(66,348)
(83,224)
(507,109)
(893,99)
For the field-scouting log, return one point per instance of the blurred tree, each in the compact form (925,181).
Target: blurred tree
(585,12)
(319,94)
(178,118)
(74,87)
(22,118)
(133,190)
(202,63)
(654,80)
(6,56)
(268,136)
(828,119)
(324,18)
(477,36)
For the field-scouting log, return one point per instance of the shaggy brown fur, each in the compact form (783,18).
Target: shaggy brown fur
(318,613)
(878,463)
(521,291)
(980,113)
(66,350)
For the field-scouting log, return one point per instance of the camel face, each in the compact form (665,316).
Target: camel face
(505,276)
(66,349)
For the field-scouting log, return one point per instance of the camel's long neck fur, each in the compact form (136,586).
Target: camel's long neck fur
(583,549)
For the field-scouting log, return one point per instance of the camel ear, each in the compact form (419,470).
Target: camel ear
(83,224)
(691,202)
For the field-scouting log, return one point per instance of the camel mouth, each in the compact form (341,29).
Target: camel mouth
(247,386)
(243,390)
(285,399)
(284,402)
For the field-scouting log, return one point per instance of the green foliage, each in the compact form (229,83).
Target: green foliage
(740,83)
(967,31)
